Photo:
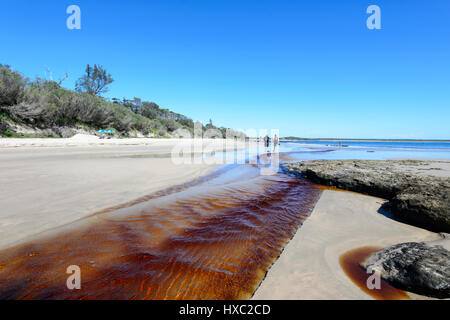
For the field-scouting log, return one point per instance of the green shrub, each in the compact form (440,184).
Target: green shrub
(12,85)
(45,104)
(11,134)
(170,125)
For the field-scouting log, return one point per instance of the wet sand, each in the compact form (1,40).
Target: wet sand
(43,188)
(309,266)
(350,262)
(170,243)
(210,240)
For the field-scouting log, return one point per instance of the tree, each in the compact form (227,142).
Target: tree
(210,125)
(12,85)
(95,81)
(149,110)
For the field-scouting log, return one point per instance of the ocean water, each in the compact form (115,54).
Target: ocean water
(381,144)
(366,150)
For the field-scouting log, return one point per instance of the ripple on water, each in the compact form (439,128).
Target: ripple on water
(211,239)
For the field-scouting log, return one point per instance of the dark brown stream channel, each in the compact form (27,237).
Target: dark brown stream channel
(212,239)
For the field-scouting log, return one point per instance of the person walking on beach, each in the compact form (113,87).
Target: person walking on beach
(266,141)
(276,142)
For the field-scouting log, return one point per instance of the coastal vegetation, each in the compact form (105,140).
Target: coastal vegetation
(43,108)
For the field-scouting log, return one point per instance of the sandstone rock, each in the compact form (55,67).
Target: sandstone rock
(417,199)
(64,132)
(416,267)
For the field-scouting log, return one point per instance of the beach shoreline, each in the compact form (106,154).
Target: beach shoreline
(84,140)
(46,188)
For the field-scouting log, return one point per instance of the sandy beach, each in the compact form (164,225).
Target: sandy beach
(49,183)
(309,266)
(342,221)
(45,187)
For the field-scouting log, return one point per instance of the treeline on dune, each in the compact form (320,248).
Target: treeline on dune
(47,109)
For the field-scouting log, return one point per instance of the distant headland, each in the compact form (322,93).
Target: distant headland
(361,139)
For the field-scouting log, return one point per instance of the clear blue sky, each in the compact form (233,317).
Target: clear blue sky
(309,68)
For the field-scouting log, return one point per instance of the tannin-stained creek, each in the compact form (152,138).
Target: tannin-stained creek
(350,263)
(214,238)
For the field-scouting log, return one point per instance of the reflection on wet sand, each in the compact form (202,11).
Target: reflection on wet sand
(211,239)
(350,263)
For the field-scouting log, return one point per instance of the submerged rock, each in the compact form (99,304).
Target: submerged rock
(416,198)
(416,267)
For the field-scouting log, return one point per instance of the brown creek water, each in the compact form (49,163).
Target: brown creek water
(213,238)
(350,263)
